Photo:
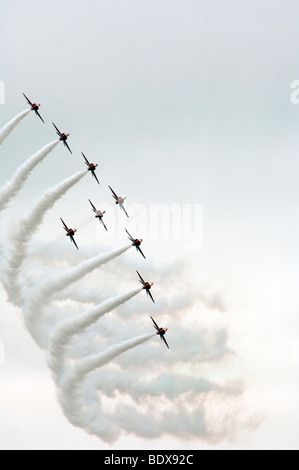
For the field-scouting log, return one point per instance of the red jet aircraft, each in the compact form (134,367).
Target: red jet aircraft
(34,107)
(136,243)
(91,167)
(98,214)
(146,285)
(62,136)
(70,232)
(160,331)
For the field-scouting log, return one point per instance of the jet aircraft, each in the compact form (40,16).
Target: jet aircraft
(146,285)
(62,136)
(34,107)
(119,200)
(136,242)
(160,331)
(91,167)
(98,214)
(70,232)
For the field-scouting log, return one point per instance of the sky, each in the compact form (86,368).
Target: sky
(184,103)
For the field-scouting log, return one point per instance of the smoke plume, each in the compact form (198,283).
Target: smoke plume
(15,184)
(24,230)
(9,127)
(70,327)
(71,397)
(44,293)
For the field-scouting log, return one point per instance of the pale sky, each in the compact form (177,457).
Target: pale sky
(184,102)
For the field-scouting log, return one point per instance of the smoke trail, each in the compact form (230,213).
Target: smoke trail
(12,187)
(9,127)
(203,345)
(47,290)
(24,231)
(71,397)
(66,329)
(190,424)
(186,400)
(168,384)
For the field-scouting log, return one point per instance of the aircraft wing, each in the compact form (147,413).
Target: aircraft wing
(104,224)
(114,194)
(141,279)
(58,131)
(130,236)
(86,161)
(155,324)
(28,100)
(95,176)
(66,144)
(150,294)
(64,225)
(162,337)
(36,112)
(94,209)
(124,210)
(74,241)
(140,250)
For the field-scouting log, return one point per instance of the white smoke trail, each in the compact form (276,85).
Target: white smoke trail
(212,416)
(168,384)
(180,420)
(171,404)
(83,294)
(197,344)
(66,329)
(9,127)
(12,187)
(44,293)
(24,231)
(71,397)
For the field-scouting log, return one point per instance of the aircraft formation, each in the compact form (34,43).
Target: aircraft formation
(119,200)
